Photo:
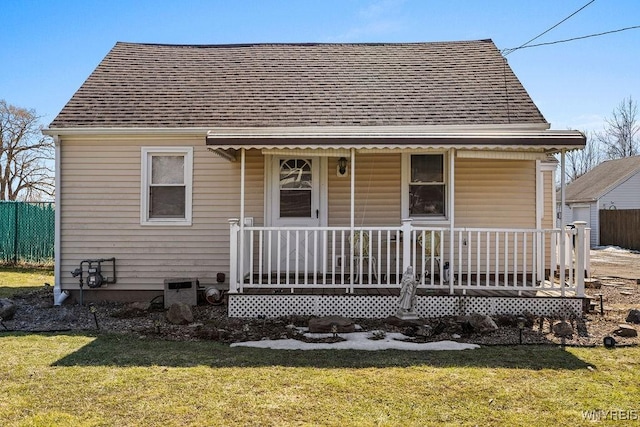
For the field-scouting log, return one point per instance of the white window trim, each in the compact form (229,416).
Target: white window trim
(405,181)
(145,169)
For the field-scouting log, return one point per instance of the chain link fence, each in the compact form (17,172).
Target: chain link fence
(27,231)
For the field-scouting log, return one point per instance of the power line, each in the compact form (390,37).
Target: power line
(574,38)
(506,52)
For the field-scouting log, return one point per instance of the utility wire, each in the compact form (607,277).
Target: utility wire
(506,52)
(574,38)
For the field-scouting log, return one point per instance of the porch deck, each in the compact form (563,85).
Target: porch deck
(386,291)
(302,286)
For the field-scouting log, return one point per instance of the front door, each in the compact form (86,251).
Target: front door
(295,199)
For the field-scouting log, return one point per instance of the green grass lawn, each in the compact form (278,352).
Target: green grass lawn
(18,279)
(110,380)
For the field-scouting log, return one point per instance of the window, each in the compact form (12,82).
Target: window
(166,186)
(426,187)
(295,188)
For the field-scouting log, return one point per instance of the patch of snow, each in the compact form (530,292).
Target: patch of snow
(357,341)
(612,249)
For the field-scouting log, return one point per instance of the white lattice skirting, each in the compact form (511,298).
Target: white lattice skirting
(377,307)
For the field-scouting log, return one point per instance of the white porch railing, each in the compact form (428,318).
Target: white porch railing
(461,260)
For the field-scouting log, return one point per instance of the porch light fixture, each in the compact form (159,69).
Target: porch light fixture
(342,167)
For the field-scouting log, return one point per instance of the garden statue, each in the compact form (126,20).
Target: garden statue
(407,300)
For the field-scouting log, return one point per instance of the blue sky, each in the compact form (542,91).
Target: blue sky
(50,47)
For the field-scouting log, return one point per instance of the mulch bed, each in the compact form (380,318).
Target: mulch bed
(36,313)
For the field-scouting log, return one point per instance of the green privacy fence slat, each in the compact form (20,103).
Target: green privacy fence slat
(27,231)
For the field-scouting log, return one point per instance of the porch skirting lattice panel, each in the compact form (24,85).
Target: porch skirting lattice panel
(381,306)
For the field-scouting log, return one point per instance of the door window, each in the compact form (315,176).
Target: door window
(295,188)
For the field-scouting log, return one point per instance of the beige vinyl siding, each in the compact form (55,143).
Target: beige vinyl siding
(549,215)
(491,193)
(377,191)
(254,187)
(488,193)
(495,193)
(100,212)
(100,205)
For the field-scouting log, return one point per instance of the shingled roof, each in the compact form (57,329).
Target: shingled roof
(602,179)
(266,85)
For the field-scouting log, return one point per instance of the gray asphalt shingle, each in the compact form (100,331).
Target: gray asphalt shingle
(161,86)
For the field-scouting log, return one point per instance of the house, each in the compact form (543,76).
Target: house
(306,178)
(613,184)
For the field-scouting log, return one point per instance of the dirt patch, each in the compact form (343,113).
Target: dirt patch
(615,270)
(615,262)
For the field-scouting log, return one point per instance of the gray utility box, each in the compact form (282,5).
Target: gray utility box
(183,290)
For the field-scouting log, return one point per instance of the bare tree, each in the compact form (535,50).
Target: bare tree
(25,155)
(579,162)
(620,137)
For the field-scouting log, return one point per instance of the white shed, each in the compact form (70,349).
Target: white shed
(613,184)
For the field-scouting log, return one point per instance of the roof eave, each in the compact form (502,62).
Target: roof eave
(528,136)
(124,131)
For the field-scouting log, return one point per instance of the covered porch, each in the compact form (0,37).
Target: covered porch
(316,261)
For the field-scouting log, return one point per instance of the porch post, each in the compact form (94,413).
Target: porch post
(580,250)
(242,174)
(563,225)
(240,270)
(353,188)
(452,204)
(539,194)
(233,255)
(352,215)
(407,241)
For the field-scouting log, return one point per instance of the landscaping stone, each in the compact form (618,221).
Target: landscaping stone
(592,283)
(180,313)
(424,331)
(562,329)
(529,317)
(506,320)
(7,309)
(626,331)
(403,323)
(325,324)
(633,316)
(482,324)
